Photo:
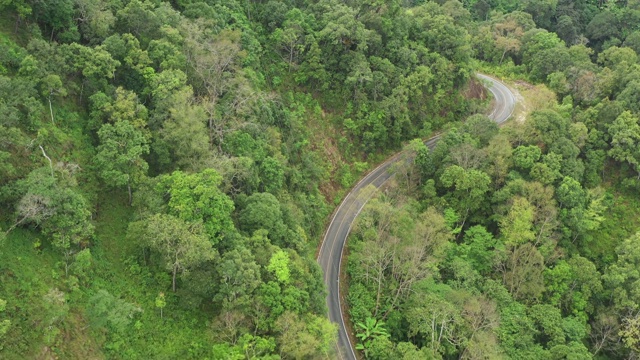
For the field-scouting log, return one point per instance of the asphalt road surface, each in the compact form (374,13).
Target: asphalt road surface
(330,255)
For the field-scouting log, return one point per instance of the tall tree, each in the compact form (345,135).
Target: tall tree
(197,198)
(181,245)
(625,140)
(120,155)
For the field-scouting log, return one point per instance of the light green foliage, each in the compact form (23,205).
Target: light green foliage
(435,319)
(256,347)
(630,333)
(124,107)
(622,277)
(56,310)
(300,338)
(516,226)
(197,198)
(625,137)
(279,266)
(369,332)
(523,276)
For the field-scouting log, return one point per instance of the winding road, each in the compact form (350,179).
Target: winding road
(331,250)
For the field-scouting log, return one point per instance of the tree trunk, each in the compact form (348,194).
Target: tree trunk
(48,158)
(15,225)
(51,111)
(503,54)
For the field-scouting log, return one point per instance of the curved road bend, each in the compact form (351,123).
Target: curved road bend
(330,255)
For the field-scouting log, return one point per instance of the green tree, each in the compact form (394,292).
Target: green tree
(570,193)
(469,189)
(197,198)
(82,266)
(623,278)
(522,272)
(369,331)
(630,333)
(301,338)
(525,157)
(548,126)
(109,312)
(478,248)
(57,16)
(571,284)
(434,318)
(271,174)
(239,277)
(125,106)
(548,319)
(181,245)
(120,155)
(603,26)
(516,226)
(184,131)
(95,19)
(53,201)
(263,211)
(633,41)
(21,7)
(625,140)
(52,85)
(279,266)
(56,310)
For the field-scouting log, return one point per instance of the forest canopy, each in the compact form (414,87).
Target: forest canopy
(167,169)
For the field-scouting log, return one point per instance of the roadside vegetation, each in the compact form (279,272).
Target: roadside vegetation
(520,242)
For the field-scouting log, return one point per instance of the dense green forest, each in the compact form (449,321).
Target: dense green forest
(520,242)
(167,169)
